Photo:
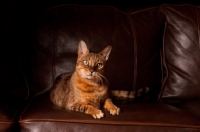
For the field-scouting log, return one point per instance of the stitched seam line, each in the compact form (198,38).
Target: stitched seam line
(198,25)
(163,58)
(127,123)
(25,79)
(54,48)
(27,105)
(135,56)
(197,14)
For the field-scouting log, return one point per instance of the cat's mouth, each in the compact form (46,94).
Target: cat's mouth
(90,76)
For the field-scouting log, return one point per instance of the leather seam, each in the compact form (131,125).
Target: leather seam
(26,82)
(163,58)
(54,48)
(127,123)
(28,104)
(135,56)
(198,26)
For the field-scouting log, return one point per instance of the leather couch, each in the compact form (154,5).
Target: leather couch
(156,47)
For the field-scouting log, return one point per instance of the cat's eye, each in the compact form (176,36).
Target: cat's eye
(99,65)
(85,62)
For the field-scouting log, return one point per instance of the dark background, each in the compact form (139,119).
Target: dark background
(117,3)
(12,11)
(11,8)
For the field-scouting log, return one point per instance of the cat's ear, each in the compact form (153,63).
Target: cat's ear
(106,52)
(82,48)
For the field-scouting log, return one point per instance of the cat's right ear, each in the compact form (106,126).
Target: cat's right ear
(82,48)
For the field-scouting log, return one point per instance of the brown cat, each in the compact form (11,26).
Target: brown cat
(86,89)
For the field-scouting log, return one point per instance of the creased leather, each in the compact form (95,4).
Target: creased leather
(181,54)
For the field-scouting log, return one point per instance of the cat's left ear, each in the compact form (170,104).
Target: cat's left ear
(82,48)
(106,52)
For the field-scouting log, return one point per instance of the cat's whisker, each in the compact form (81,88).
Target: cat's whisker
(104,78)
(99,79)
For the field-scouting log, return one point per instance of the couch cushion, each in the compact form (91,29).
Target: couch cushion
(181,54)
(147,26)
(41,114)
(10,109)
(190,106)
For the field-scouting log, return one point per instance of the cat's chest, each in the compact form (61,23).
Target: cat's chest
(94,98)
(93,92)
(90,87)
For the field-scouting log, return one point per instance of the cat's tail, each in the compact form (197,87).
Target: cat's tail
(129,94)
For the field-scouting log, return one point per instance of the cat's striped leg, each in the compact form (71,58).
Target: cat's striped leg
(113,109)
(88,109)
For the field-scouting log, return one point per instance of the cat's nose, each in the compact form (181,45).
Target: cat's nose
(91,70)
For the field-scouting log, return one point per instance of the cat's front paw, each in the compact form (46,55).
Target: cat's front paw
(114,110)
(98,114)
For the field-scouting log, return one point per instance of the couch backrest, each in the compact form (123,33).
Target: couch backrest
(42,48)
(136,38)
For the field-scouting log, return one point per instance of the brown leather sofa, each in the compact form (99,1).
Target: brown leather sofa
(157,47)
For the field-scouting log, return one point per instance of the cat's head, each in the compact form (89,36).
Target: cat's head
(91,65)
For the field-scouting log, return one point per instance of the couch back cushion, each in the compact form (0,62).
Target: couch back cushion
(134,36)
(181,54)
(147,26)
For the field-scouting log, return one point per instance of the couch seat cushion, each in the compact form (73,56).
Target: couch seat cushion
(141,116)
(191,106)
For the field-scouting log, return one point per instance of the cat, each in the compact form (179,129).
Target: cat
(86,89)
